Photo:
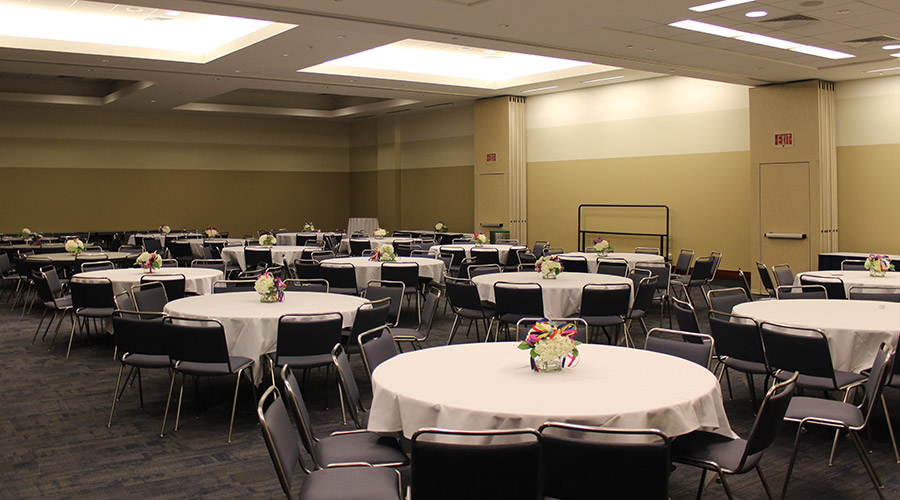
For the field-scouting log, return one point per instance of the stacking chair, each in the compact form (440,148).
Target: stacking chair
(882,293)
(636,461)
(783,275)
(348,391)
(843,415)
(526,258)
(304,341)
(408,274)
(833,285)
(92,300)
(683,263)
(392,290)
(50,292)
(197,347)
(130,248)
(663,272)
(647,250)
(152,244)
(480,269)
(643,299)
(181,251)
(765,279)
(696,347)
(228,286)
(254,256)
(516,301)
(416,336)
(853,265)
(724,455)
(685,316)
(574,264)
(605,306)
(100,265)
(217,264)
(169,263)
(357,246)
(700,276)
(524,326)
(321,255)
(738,346)
(801,292)
(368,316)
(356,481)
(9,276)
(612,266)
(306,285)
(539,247)
(149,297)
(724,299)
(139,344)
(485,256)
(341,278)
(464,266)
(307,269)
(376,346)
(466,304)
(457,255)
(742,278)
(441,457)
(174,284)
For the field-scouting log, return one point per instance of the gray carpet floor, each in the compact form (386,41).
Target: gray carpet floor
(55,442)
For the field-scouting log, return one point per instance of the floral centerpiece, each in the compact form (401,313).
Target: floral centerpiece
(440,227)
(479,238)
(603,247)
(267,240)
(35,238)
(552,348)
(150,261)
(74,246)
(549,267)
(270,288)
(165,229)
(25,232)
(309,227)
(211,232)
(384,253)
(878,264)
(379,233)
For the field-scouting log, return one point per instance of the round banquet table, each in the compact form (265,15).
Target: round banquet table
(132,239)
(854,328)
(197,280)
(251,326)
(491,386)
(855,278)
(374,242)
(288,239)
(63,259)
(368,270)
(235,254)
(562,296)
(630,258)
(502,249)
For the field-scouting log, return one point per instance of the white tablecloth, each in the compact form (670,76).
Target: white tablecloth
(562,296)
(631,258)
(197,244)
(854,328)
(367,270)
(235,255)
(161,237)
(291,238)
(501,248)
(251,326)
(855,278)
(491,386)
(196,279)
(373,242)
(364,224)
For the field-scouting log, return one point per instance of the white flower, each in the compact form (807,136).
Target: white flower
(554,347)
(74,245)
(25,231)
(267,240)
(264,284)
(439,226)
(211,231)
(165,229)
(380,233)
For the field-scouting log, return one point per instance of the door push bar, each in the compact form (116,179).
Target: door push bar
(786,236)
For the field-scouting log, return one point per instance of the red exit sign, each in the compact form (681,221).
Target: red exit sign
(784,139)
(491,157)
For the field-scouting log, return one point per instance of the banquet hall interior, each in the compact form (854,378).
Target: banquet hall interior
(759,131)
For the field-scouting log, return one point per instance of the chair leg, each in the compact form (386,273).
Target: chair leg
(725,485)
(702,482)
(762,479)
(879,486)
(162,431)
(887,417)
(71,336)
(790,469)
(41,322)
(178,408)
(116,394)
(453,329)
(237,385)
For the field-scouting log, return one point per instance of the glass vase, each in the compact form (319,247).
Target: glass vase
(268,297)
(876,273)
(544,364)
(549,276)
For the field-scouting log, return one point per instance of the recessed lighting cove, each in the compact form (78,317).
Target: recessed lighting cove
(756,13)
(718,5)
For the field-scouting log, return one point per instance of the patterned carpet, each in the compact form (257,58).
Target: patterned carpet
(55,442)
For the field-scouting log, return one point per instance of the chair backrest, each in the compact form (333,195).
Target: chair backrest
(853,265)
(636,461)
(882,368)
(307,269)
(441,457)
(405,272)
(341,278)
(796,349)
(574,264)
(169,263)
(52,277)
(358,245)
(685,316)
(703,269)
(724,299)
(42,287)
(479,269)
(456,253)
(765,278)
(801,292)
(647,250)
(349,389)
(605,299)
(377,346)
(174,284)
(180,248)
(99,265)
(93,292)
(280,439)
(717,261)
(683,263)
(217,264)
(833,285)
(372,315)
(783,274)
(462,294)
(321,255)
(519,298)
(612,266)
(227,286)
(387,289)
(149,297)
(882,293)
(643,298)
(524,325)
(138,333)
(636,275)
(301,412)
(428,310)
(692,346)
(152,244)
(306,285)
(736,337)
(745,284)
(769,418)
(195,340)
(485,256)
(539,247)
(662,270)
(254,256)
(307,334)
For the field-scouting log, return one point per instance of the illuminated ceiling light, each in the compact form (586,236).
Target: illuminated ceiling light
(892,46)
(539,89)
(778,43)
(895,68)
(173,13)
(756,13)
(608,78)
(718,5)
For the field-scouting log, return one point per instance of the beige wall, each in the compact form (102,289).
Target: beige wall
(673,141)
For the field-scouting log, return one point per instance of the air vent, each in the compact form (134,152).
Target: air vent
(789,22)
(398,111)
(467,2)
(439,105)
(872,40)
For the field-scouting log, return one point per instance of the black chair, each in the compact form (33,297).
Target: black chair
(466,304)
(228,286)
(368,316)
(724,299)
(765,279)
(376,346)
(696,347)
(834,286)
(663,273)
(632,462)
(882,293)
(304,341)
(174,284)
(492,471)
(149,297)
(612,266)
(306,285)
(393,290)
(181,251)
(357,481)
(139,344)
(685,316)
(643,299)
(539,247)
(351,402)
(853,265)
(843,415)
(605,306)
(357,246)
(416,336)
(516,301)
(484,256)
(783,274)
(574,264)
(701,275)
(745,284)
(408,274)
(724,455)
(254,256)
(683,263)
(50,292)
(341,278)
(457,254)
(739,347)
(801,292)
(217,264)
(480,269)
(92,300)
(100,265)
(197,347)
(307,269)
(152,244)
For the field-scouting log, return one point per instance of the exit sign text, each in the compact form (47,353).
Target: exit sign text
(784,139)
(491,157)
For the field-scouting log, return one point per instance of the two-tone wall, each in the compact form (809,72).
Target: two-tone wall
(672,141)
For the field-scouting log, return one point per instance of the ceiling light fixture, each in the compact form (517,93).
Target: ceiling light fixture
(712,29)
(173,13)
(718,5)
(756,13)
(608,78)
(892,46)
(882,70)
(539,89)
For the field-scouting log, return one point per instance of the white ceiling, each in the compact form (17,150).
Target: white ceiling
(632,34)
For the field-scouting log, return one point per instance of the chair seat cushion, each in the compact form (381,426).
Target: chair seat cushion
(824,409)
(95,312)
(359,447)
(476,314)
(712,447)
(350,483)
(311,361)
(60,303)
(823,383)
(407,334)
(212,369)
(147,360)
(603,320)
(745,366)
